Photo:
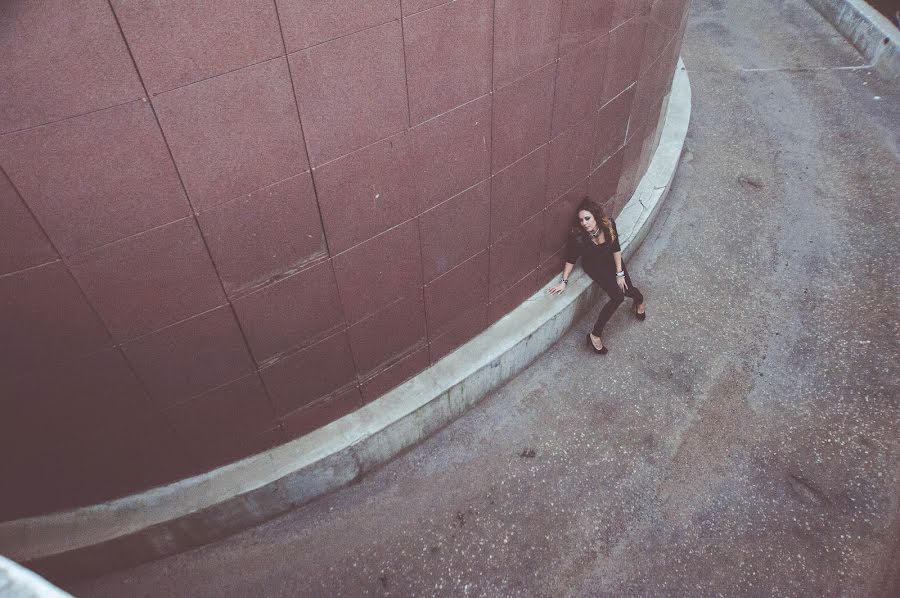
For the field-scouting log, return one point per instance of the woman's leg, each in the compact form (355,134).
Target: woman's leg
(632,291)
(616,297)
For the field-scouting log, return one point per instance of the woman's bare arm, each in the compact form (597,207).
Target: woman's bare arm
(620,279)
(561,285)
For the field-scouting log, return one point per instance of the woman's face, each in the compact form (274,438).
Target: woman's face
(587,221)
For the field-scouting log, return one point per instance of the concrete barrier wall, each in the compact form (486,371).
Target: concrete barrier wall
(868,30)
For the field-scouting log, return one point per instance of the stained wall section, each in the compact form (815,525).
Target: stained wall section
(225,224)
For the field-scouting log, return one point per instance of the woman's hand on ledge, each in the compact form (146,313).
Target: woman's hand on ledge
(557,288)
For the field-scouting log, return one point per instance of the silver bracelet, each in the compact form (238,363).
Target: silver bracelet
(620,274)
(565,281)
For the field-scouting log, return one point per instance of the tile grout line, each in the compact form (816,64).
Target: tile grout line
(341,36)
(29,268)
(405,72)
(490,247)
(418,216)
(435,7)
(493,149)
(217,75)
(65,118)
(422,289)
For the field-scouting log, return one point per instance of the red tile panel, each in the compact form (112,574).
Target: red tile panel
(604,181)
(60,62)
(45,317)
(455,230)
(175,43)
(631,157)
(229,414)
(657,35)
(448,56)
(579,83)
(512,297)
(309,22)
(376,273)
(212,453)
(291,313)
(351,91)
(515,255)
(151,280)
(462,330)
(551,267)
(523,112)
(235,133)
(269,234)
(23,243)
(625,46)
(79,432)
(526,35)
(384,337)
(611,125)
(570,158)
(518,192)
(80,436)
(395,375)
(626,9)
(97,178)
(457,292)
(453,151)
(190,357)
(93,391)
(645,98)
(367,192)
(303,377)
(144,452)
(584,21)
(324,411)
(559,217)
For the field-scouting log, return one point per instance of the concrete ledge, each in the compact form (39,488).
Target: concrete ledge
(868,30)
(205,508)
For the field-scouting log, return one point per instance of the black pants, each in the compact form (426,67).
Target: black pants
(616,297)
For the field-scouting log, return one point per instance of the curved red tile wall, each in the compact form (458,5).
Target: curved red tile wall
(225,224)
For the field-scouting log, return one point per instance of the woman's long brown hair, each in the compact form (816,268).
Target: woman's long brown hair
(600,216)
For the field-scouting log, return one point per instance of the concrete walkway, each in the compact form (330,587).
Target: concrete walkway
(744,440)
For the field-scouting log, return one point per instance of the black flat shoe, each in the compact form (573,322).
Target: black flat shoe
(602,351)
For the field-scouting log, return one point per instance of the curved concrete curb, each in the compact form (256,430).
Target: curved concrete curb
(208,507)
(867,29)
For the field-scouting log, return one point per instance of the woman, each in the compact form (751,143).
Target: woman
(595,240)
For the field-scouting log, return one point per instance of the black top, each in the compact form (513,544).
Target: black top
(597,260)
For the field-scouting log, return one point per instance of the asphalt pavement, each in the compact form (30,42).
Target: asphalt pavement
(743,441)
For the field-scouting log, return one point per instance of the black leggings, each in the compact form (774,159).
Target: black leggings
(616,297)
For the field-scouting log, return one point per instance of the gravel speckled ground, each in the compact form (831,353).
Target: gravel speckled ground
(743,441)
